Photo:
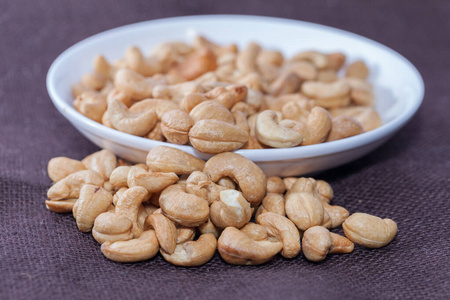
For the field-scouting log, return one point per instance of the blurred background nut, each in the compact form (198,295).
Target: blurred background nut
(231,210)
(60,167)
(175,126)
(357,69)
(328,94)
(176,92)
(318,242)
(369,231)
(168,159)
(91,105)
(136,85)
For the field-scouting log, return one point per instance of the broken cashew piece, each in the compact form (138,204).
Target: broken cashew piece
(231,210)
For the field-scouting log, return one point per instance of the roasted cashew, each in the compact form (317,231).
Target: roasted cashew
(138,249)
(211,110)
(237,248)
(231,210)
(318,126)
(304,210)
(196,64)
(154,182)
(271,133)
(175,126)
(60,206)
(176,92)
(91,104)
(168,159)
(102,162)
(135,60)
(275,185)
(193,253)
(69,187)
(255,232)
(126,121)
(160,107)
(200,184)
(251,179)
(60,167)
(272,202)
(284,230)
(209,227)
(246,59)
(343,127)
(328,94)
(358,69)
(319,60)
(136,85)
(111,227)
(165,230)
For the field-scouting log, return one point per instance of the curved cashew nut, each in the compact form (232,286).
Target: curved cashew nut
(328,94)
(126,121)
(185,234)
(175,126)
(251,179)
(200,184)
(160,107)
(231,210)
(211,110)
(93,201)
(102,162)
(318,242)
(284,230)
(135,60)
(168,159)
(60,167)
(304,210)
(154,182)
(111,227)
(136,85)
(128,206)
(139,249)
(343,127)
(193,253)
(255,232)
(60,206)
(91,104)
(185,209)
(165,230)
(272,202)
(369,231)
(69,187)
(271,133)
(176,92)
(319,60)
(237,248)
(318,126)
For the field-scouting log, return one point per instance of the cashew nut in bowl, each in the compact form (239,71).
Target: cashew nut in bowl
(126,121)
(138,249)
(237,248)
(318,242)
(175,126)
(271,133)
(249,177)
(136,85)
(231,210)
(160,107)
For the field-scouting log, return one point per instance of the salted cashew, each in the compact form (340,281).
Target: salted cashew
(298,110)
(227,183)
(60,206)
(319,60)
(211,110)
(175,126)
(196,64)
(177,92)
(357,69)
(284,230)
(135,60)
(214,136)
(304,210)
(272,202)
(336,60)
(286,83)
(119,176)
(328,94)
(138,249)
(69,187)
(231,210)
(193,253)
(126,121)
(91,104)
(156,133)
(209,227)
(317,127)
(183,208)
(246,59)
(165,230)
(185,234)
(251,179)
(343,127)
(160,107)
(240,119)
(368,117)
(255,232)
(200,184)
(153,182)
(219,94)
(60,167)
(318,242)
(237,248)
(102,162)
(289,182)
(271,133)
(275,185)
(369,231)
(93,201)
(168,159)
(111,227)
(136,85)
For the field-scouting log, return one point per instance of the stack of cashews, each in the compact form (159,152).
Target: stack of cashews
(218,99)
(186,209)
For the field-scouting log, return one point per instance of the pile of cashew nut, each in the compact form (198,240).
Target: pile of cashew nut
(219,99)
(186,208)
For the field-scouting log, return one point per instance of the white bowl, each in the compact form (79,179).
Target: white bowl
(398,85)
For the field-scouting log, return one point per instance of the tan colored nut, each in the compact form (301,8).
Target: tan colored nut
(141,216)
(369,231)
(286,83)
(275,185)
(273,202)
(135,60)
(318,242)
(298,110)
(238,92)
(214,136)
(160,107)
(118,194)
(197,64)
(231,210)
(227,96)
(69,187)
(168,159)
(119,176)
(319,60)
(336,60)
(271,133)
(185,209)
(138,249)
(324,191)
(136,85)
(246,59)
(93,201)
(251,179)
(177,92)
(305,70)
(270,57)
(149,207)
(304,210)
(343,127)
(185,234)
(211,110)
(111,227)
(200,42)
(102,66)
(255,81)
(60,206)
(60,167)
(367,116)
(237,248)
(175,126)
(358,69)
(327,75)
(200,184)
(209,227)
(126,121)
(93,81)
(165,230)
(156,133)
(79,88)
(318,126)
(284,230)
(227,183)
(242,107)
(115,94)
(128,206)
(91,105)
(328,95)
(253,143)
(254,100)
(102,162)
(289,182)
(255,232)
(153,182)
(193,253)
(361,92)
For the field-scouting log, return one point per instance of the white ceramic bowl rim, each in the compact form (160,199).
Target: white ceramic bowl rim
(259,155)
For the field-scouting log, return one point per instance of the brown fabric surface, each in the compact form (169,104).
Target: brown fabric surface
(44,256)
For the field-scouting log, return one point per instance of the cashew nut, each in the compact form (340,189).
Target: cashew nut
(211,110)
(102,162)
(165,230)
(126,121)
(136,85)
(69,187)
(60,167)
(60,206)
(343,127)
(231,210)
(160,107)
(271,133)
(317,127)
(275,185)
(200,184)
(175,126)
(168,159)
(91,105)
